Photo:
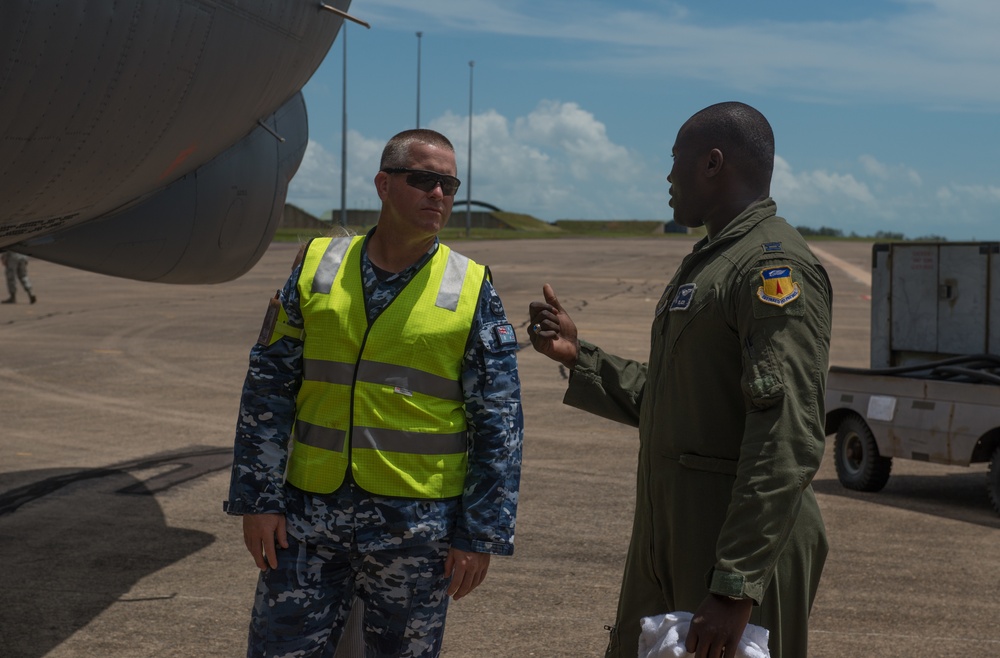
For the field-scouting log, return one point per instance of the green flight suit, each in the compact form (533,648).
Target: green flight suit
(730,415)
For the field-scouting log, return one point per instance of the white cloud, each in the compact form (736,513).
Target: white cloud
(570,130)
(558,162)
(888,198)
(817,187)
(316,185)
(977,193)
(884,172)
(933,52)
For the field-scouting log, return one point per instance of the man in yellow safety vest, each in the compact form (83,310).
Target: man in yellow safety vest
(378,447)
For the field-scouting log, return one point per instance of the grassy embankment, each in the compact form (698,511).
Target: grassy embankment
(519,227)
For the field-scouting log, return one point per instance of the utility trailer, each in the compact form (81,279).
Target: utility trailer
(933,390)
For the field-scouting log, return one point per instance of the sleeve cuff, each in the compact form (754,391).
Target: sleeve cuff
(477,546)
(240,507)
(732,585)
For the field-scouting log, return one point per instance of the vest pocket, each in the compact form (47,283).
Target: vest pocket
(709,464)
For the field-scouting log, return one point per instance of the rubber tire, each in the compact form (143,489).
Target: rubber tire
(993,480)
(859,465)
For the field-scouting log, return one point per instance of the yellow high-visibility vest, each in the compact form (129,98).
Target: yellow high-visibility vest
(384,398)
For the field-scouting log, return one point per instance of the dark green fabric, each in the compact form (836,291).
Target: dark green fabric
(730,416)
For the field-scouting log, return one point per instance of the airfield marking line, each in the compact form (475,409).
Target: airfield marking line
(853,271)
(908,636)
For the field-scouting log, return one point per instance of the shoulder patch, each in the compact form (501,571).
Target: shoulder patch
(270,320)
(772,247)
(778,288)
(505,335)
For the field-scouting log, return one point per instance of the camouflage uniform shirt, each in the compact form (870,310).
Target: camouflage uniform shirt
(481,520)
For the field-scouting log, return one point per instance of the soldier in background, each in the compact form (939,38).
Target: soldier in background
(16,269)
(378,447)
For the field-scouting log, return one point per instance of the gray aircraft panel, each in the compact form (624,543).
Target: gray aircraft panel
(106,106)
(207,227)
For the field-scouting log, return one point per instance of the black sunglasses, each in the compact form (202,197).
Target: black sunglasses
(426,181)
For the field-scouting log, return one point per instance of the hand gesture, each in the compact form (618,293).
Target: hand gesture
(552,331)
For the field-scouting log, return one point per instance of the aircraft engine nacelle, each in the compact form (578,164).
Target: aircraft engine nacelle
(210,226)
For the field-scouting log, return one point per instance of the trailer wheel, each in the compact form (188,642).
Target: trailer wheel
(859,464)
(993,480)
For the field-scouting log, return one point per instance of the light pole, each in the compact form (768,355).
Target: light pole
(419,35)
(468,173)
(343,137)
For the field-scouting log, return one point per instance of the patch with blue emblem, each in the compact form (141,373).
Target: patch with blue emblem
(505,335)
(685,295)
(778,288)
(772,247)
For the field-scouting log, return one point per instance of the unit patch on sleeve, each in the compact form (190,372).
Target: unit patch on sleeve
(505,335)
(778,288)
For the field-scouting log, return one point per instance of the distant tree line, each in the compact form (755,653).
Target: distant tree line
(827,232)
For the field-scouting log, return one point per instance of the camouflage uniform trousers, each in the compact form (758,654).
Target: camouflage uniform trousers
(16,269)
(302,606)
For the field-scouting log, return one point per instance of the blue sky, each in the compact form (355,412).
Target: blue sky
(886,113)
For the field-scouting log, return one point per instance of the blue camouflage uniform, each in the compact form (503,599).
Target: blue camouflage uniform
(390,552)
(16,269)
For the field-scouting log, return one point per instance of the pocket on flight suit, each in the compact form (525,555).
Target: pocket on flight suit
(709,464)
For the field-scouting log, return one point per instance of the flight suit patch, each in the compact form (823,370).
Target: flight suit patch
(778,288)
(664,298)
(772,248)
(685,295)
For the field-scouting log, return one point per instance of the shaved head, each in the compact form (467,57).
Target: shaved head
(742,134)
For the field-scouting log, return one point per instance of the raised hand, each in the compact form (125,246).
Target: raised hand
(552,331)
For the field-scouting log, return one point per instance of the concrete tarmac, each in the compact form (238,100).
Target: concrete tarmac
(119,400)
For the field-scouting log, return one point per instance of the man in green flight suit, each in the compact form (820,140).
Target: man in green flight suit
(729,406)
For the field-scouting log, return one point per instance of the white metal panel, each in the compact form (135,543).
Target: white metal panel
(881,330)
(961,293)
(913,300)
(993,301)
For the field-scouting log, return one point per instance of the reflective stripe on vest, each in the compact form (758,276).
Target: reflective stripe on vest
(386,398)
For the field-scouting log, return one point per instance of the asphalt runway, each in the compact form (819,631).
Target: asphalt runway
(118,403)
